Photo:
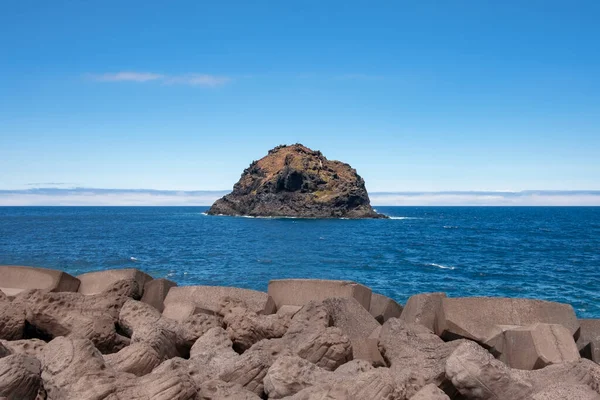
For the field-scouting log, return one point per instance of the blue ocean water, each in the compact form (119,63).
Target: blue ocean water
(550,253)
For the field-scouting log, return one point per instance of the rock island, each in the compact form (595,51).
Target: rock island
(295,181)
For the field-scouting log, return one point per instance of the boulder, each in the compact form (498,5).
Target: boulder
(589,339)
(15,279)
(376,384)
(20,377)
(383,308)
(423,309)
(368,350)
(210,297)
(350,316)
(534,346)
(245,327)
(12,320)
(78,316)
(155,292)
(430,392)
(476,318)
(29,347)
(291,374)
(288,311)
(74,369)
(416,355)
(477,375)
(218,390)
(4,351)
(99,281)
(298,292)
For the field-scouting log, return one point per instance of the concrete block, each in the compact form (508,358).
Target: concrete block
(423,309)
(210,297)
(155,292)
(298,292)
(383,308)
(97,282)
(14,279)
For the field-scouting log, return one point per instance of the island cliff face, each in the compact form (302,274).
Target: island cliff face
(295,181)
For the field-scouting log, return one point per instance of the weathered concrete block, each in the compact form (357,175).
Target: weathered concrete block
(423,309)
(589,339)
(298,292)
(383,308)
(97,282)
(210,297)
(534,346)
(155,292)
(368,350)
(14,279)
(476,318)
(347,314)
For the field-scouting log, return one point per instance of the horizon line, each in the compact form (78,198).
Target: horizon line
(82,196)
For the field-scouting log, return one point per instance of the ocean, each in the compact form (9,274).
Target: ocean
(550,253)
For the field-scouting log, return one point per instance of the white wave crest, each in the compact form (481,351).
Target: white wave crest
(404,218)
(440,266)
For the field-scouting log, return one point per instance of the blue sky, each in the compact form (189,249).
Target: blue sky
(417,96)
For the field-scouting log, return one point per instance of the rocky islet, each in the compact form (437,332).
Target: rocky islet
(108,339)
(295,181)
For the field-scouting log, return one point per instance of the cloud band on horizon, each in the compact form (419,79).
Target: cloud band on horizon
(148,197)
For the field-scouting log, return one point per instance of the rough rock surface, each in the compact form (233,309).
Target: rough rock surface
(415,354)
(479,376)
(12,319)
(430,392)
(79,316)
(534,346)
(20,377)
(589,339)
(295,181)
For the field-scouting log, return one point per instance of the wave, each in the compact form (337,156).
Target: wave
(440,266)
(133,259)
(404,218)
(450,227)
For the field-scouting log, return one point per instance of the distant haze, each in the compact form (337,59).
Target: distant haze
(143,197)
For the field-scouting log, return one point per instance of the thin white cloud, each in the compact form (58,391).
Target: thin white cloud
(206,80)
(127,76)
(199,80)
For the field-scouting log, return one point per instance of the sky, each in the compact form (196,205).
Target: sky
(418,96)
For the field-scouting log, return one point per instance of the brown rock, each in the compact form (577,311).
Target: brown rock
(12,320)
(383,308)
(589,339)
(74,369)
(350,316)
(210,297)
(368,350)
(423,309)
(15,279)
(291,374)
(100,281)
(298,292)
(416,355)
(295,181)
(155,292)
(245,327)
(376,384)
(430,392)
(20,377)
(219,390)
(476,318)
(288,311)
(29,347)
(477,375)
(534,346)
